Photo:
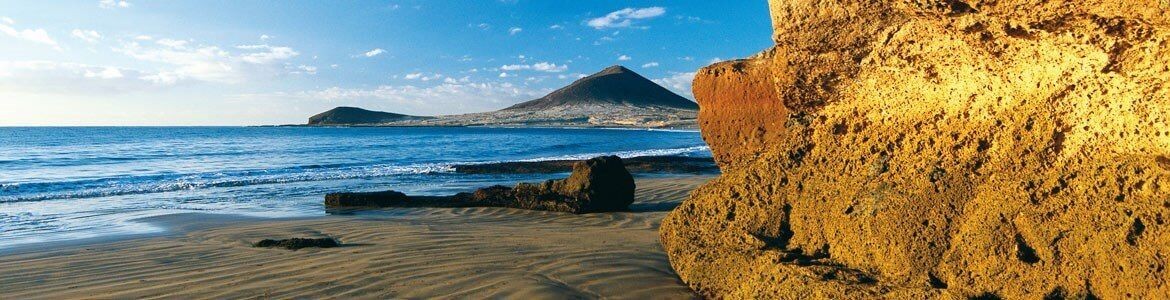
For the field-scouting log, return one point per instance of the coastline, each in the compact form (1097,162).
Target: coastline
(465,252)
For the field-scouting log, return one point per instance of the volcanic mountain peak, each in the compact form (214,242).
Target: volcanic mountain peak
(614,86)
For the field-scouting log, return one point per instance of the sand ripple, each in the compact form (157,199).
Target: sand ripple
(417,253)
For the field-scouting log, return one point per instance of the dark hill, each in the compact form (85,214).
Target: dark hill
(357,116)
(614,86)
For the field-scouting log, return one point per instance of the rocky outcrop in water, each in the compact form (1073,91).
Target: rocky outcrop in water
(600,184)
(937,149)
(357,116)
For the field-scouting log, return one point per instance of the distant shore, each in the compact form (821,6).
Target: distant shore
(400,253)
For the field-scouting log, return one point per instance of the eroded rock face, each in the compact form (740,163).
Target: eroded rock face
(941,149)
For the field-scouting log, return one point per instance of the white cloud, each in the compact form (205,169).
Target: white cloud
(304,69)
(540,66)
(484,26)
(108,4)
(106,73)
(268,54)
(49,77)
(549,67)
(89,36)
(648,65)
(422,77)
(504,75)
(680,83)
(177,44)
(624,58)
(715,60)
(515,30)
(143,38)
(207,63)
(625,17)
(7,20)
(38,35)
(556,27)
(375,52)
(265,37)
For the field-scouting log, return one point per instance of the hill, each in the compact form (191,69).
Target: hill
(357,116)
(614,86)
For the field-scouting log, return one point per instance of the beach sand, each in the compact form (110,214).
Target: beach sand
(402,253)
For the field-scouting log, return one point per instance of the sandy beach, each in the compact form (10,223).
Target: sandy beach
(402,253)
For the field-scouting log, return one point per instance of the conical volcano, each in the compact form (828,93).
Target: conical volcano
(614,86)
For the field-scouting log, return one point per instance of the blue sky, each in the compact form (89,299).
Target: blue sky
(136,62)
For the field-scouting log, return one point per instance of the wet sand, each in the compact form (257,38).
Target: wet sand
(399,253)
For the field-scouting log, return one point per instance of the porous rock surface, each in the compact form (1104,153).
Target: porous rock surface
(937,149)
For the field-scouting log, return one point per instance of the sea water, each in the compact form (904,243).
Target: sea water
(65,183)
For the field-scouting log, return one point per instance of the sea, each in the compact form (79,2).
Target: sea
(70,183)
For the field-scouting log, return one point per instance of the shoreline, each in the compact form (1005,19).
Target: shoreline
(410,253)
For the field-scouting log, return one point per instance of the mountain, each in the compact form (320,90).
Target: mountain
(354,116)
(614,86)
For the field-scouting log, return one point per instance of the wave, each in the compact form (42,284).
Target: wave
(150,184)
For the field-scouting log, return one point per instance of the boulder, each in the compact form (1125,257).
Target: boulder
(600,184)
(937,149)
(298,243)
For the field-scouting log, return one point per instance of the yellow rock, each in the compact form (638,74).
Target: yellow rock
(937,149)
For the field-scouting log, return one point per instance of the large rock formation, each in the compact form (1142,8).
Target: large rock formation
(357,116)
(937,149)
(600,184)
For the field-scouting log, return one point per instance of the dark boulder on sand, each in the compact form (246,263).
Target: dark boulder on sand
(298,243)
(600,184)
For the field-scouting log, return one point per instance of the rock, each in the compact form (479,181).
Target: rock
(298,243)
(600,184)
(376,199)
(357,116)
(937,149)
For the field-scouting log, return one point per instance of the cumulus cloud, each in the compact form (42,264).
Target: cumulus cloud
(206,63)
(110,4)
(515,30)
(624,57)
(648,65)
(69,78)
(541,66)
(266,54)
(375,52)
(423,77)
(38,35)
(679,83)
(625,17)
(89,36)
(304,69)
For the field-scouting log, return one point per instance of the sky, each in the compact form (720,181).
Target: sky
(211,62)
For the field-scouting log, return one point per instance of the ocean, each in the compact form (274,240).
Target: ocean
(66,183)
